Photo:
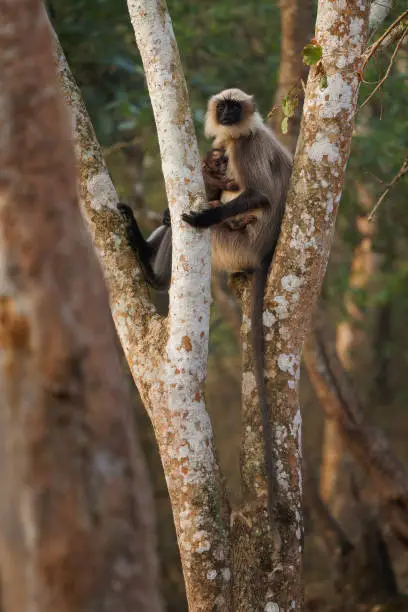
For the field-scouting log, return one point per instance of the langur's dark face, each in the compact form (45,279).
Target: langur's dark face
(228,112)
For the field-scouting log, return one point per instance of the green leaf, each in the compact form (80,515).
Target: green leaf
(323,82)
(284,125)
(289,104)
(312,54)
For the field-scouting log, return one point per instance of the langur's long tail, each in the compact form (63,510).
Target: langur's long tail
(258,355)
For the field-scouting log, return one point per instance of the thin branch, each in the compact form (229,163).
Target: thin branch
(368,445)
(385,77)
(402,172)
(118,146)
(378,43)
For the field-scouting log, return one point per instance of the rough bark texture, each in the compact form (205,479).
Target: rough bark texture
(296,31)
(182,427)
(187,441)
(302,254)
(76,528)
(180,421)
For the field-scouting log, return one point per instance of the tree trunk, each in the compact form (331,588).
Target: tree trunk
(296,31)
(302,254)
(258,580)
(76,511)
(169,375)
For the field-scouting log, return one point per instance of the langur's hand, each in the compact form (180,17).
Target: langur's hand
(203,218)
(125,211)
(166,218)
(214,203)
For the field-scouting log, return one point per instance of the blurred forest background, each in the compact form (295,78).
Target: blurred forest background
(236,43)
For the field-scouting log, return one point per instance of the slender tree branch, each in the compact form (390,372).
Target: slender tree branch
(387,73)
(379,43)
(401,172)
(368,445)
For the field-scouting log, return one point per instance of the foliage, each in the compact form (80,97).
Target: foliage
(312,54)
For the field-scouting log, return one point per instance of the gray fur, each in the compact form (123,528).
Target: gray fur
(161,239)
(256,161)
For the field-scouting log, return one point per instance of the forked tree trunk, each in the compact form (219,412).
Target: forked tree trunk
(167,358)
(76,526)
(257,580)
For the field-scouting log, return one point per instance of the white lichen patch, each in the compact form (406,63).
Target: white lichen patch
(324,149)
(356,31)
(288,363)
(212,574)
(280,435)
(271,606)
(329,205)
(101,192)
(337,97)
(281,475)
(226,574)
(291,283)
(268,318)
(282,307)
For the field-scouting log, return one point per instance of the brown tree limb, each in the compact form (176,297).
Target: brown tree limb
(367,444)
(383,39)
(387,72)
(401,172)
(76,526)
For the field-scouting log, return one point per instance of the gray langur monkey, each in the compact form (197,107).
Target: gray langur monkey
(245,219)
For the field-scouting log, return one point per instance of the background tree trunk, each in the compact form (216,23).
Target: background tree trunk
(76,516)
(296,30)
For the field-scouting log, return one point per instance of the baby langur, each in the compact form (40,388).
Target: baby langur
(261,167)
(155,253)
(249,186)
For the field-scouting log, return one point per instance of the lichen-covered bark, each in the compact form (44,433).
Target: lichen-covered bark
(181,424)
(185,433)
(76,529)
(142,333)
(300,262)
